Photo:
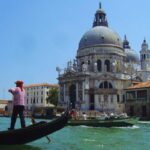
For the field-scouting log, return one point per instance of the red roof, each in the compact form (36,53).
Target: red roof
(41,84)
(4,101)
(140,85)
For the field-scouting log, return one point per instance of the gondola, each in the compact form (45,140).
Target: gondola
(32,132)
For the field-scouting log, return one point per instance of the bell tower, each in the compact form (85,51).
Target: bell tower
(145,56)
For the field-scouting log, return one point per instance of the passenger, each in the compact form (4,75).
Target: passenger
(18,104)
(73,114)
(84,116)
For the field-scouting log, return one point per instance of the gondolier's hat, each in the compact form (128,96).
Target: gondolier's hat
(19,82)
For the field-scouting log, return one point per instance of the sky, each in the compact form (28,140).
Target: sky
(36,36)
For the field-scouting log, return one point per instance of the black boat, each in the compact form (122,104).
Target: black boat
(32,132)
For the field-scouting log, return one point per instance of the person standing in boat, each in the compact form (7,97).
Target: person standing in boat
(18,104)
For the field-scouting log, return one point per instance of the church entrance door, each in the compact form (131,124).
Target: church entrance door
(92,107)
(72,95)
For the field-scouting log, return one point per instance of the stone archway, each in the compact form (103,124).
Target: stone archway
(72,95)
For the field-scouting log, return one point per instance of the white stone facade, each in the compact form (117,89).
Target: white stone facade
(104,66)
(36,95)
(3,104)
(96,79)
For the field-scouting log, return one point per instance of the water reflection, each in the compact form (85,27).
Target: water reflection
(19,147)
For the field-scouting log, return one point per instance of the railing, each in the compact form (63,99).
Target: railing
(142,99)
(136,99)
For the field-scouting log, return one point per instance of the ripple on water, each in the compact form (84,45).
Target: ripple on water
(88,138)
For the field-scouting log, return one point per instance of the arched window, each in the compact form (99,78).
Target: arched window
(82,66)
(101,86)
(110,86)
(118,98)
(99,65)
(34,101)
(107,65)
(82,63)
(105,85)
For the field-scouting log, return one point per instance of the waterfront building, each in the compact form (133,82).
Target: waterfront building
(137,99)
(36,95)
(104,66)
(9,107)
(3,105)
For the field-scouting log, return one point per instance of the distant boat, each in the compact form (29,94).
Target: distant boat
(32,132)
(125,122)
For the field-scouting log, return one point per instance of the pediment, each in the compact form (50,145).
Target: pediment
(70,74)
(106,77)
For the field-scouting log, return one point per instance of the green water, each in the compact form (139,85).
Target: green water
(88,138)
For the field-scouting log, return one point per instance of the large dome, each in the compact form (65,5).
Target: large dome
(131,56)
(100,35)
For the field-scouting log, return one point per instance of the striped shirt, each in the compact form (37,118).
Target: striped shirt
(18,96)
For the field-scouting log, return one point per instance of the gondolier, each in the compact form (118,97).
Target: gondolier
(18,104)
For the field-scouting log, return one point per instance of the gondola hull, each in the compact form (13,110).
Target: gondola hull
(33,132)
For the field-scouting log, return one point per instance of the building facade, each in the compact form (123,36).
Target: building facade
(10,107)
(103,67)
(3,105)
(36,95)
(137,100)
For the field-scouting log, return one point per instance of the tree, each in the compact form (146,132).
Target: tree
(53,96)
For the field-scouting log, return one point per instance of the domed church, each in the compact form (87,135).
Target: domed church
(103,67)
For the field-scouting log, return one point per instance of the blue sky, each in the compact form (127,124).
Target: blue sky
(36,36)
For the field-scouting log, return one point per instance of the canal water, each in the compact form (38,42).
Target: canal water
(88,138)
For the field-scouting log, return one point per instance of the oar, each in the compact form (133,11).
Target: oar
(33,122)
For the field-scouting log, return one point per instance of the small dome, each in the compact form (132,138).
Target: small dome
(131,56)
(100,35)
(100,11)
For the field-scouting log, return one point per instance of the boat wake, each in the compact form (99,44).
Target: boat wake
(144,122)
(133,127)
(84,126)
(89,140)
(130,127)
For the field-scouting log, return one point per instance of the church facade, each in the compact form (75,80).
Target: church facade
(104,66)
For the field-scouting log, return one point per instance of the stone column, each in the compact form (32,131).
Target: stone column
(64,92)
(148,96)
(136,95)
(83,88)
(59,99)
(77,94)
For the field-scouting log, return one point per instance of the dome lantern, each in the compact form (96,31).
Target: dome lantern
(100,18)
(126,43)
